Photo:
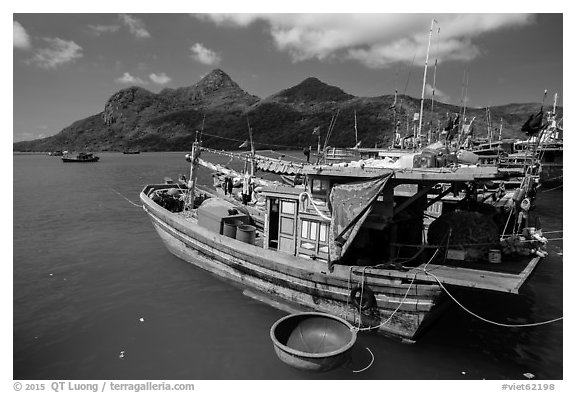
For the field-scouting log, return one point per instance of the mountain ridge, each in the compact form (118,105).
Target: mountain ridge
(168,120)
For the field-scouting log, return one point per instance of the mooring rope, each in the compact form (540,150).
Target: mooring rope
(368,366)
(484,319)
(555,188)
(129,201)
(401,302)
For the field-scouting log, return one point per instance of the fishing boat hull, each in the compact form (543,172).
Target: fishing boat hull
(403,305)
(94,159)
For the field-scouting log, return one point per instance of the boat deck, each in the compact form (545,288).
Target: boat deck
(507,276)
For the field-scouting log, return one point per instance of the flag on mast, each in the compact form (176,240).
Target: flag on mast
(534,123)
(316,131)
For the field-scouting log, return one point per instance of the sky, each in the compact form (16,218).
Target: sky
(67,65)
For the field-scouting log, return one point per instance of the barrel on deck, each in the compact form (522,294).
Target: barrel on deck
(246,233)
(230,228)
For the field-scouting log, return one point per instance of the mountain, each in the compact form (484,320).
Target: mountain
(166,121)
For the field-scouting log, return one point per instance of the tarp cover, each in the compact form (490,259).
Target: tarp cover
(351,204)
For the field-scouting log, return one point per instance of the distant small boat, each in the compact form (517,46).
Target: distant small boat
(56,153)
(80,157)
(131,151)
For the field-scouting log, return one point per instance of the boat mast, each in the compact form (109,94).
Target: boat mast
(193,170)
(433,92)
(396,121)
(489,125)
(464,99)
(355,128)
(424,82)
(252,152)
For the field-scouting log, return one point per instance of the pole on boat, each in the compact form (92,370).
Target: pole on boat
(396,136)
(355,128)
(489,125)
(193,171)
(252,152)
(424,81)
(202,129)
(433,91)
(462,121)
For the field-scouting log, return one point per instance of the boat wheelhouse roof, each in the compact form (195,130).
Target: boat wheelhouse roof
(463,174)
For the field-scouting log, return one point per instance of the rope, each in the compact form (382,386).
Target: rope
(393,312)
(403,299)
(484,319)
(368,366)
(313,205)
(555,188)
(129,201)
(255,143)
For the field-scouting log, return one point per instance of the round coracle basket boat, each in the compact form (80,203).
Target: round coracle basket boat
(312,341)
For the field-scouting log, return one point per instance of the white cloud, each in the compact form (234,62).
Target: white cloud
(101,29)
(57,52)
(439,95)
(376,40)
(21,37)
(135,25)
(204,55)
(127,79)
(160,78)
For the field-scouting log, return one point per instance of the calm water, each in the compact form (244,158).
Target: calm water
(88,266)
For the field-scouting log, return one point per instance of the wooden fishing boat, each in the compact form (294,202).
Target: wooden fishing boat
(80,157)
(348,244)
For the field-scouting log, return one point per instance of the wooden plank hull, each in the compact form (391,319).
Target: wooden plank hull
(403,305)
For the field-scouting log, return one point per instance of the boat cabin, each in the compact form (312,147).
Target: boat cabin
(393,225)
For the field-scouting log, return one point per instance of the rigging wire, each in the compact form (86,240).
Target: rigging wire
(256,143)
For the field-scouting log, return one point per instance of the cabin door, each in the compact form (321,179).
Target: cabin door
(287,226)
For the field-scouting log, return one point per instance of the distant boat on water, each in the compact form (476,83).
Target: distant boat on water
(131,152)
(80,157)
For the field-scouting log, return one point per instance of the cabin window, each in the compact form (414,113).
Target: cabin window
(288,207)
(313,239)
(313,230)
(323,232)
(319,186)
(305,229)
